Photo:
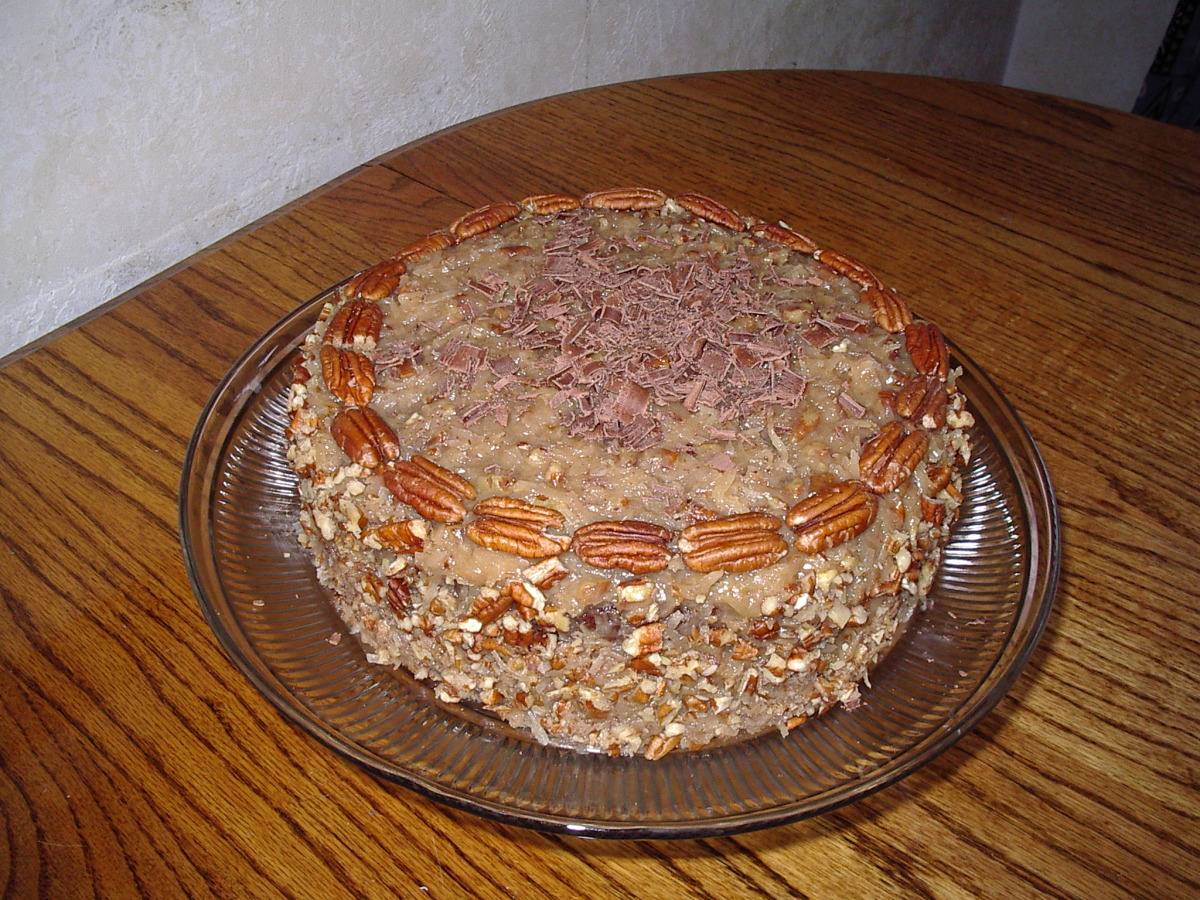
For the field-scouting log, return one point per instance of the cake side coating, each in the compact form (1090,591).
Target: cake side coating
(633,473)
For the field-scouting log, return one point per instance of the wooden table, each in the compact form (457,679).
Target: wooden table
(1057,243)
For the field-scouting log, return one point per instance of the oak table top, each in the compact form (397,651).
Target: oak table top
(1058,245)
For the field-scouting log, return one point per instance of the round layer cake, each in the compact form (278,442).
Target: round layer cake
(637,474)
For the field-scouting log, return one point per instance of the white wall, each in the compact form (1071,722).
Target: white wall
(136,132)
(1093,50)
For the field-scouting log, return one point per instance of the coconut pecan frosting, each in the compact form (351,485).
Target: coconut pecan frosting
(637,474)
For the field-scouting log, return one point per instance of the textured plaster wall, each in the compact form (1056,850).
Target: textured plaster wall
(1093,50)
(135,132)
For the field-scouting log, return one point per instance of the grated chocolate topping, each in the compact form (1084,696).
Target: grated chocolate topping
(630,340)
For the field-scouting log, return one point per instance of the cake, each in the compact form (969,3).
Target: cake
(634,474)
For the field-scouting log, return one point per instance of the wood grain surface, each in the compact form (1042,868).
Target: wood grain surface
(1058,244)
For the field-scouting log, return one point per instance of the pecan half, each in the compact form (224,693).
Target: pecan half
(378,281)
(624,198)
(434,492)
(549,204)
(711,211)
(431,243)
(484,219)
(849,267)
(407,536)
(923,401)
(927,347)
(520,511)
(364,436)
(737,543)
(637,547)
(356,325)
(504,523)
(349,376)
(891,313)
(777,231)
(832,516)
(889,459)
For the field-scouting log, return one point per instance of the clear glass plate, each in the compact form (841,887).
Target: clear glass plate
(258,590)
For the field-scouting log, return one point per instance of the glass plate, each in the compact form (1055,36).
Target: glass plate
(258,590)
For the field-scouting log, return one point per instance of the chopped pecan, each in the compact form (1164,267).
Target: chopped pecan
(737,543)
(407,536)
(300,373)
(939,478)
(349,376)
(484,219)
(364,436)
(932,512)
(831,516)
(764,628)
(849,267)
(889,458)
(487,609)
(923,401)
(625,198)
(927,347)
(637,547)
(399,594)
(504,523)
(644,640)
(546,573)
(418,249)
(711,211)
(891,313)
(434,492)
(549,204)
(378,281)
(356,324)
(780,233)
(660,745)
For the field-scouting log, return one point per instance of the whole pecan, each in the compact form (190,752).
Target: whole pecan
(889,458)
(434,492)
(484,219)
(927,347)
(922,401)
(422,247)
(849,267)
(378,281)
(624,198)
(891,313)
(832,516)
(637,547)
(777,231)
(711,211)
(364,436)
(505,523)
(349,376)
(356,324)
(549,204)
(737,543)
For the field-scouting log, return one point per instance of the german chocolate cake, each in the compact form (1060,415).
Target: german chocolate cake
(637,474)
